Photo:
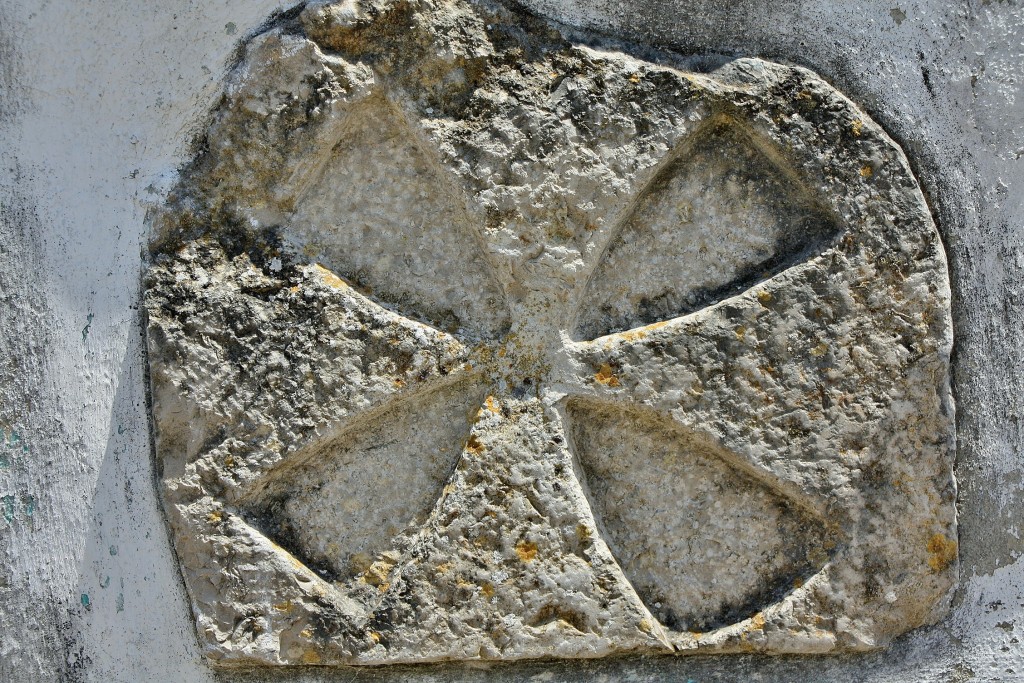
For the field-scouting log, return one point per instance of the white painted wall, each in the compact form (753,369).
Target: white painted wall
(99,102)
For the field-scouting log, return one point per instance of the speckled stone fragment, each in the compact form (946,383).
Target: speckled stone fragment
(471,337)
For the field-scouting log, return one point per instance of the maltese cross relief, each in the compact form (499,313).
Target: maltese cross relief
(472,337)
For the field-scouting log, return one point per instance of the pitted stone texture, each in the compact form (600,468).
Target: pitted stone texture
(470,338)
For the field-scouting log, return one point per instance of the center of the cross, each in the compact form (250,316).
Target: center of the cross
(523,358)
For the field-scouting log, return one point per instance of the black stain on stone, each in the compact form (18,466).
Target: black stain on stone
(926,76)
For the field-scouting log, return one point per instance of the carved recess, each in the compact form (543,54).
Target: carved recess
(474,339)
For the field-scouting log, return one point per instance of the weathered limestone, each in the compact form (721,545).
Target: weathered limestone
(471,337)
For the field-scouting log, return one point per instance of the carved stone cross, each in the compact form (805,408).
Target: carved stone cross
(470,338)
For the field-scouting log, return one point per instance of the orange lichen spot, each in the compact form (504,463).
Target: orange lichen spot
(491,404)
(474,445)
(330,278)
(398,382)
(215,517)
(942,551)
(866,171)
(758,621)
(856,127)
(526,550)
(606,376)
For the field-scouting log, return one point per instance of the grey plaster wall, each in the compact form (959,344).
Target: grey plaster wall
(99,102)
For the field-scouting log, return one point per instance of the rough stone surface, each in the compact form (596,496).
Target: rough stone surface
(476,337)
(101,101)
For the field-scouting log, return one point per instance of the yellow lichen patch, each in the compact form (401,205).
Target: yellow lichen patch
(374,636)
(606,376)
(215,517)
(474,446)
(229,461)
(491,404)
(819,350)
(399,383)
(645,626)
(526,550)
(856,127)
(740,332)
(306,633)
(866,171)
(764,297)
(641,332)
(582,532)
(285,606)
(942,551)
(310,657)
(634,78)
(444,568)
(377,573)
(487,589)
(330,278)
(758,621)
(798,582)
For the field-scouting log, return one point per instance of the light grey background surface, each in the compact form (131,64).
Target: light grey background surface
(99,103)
